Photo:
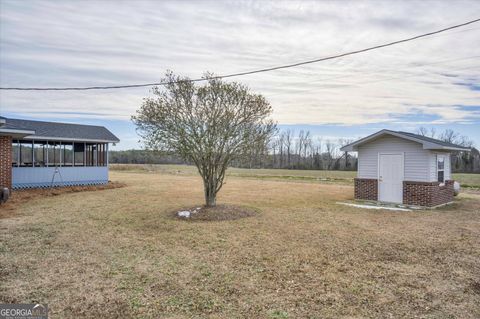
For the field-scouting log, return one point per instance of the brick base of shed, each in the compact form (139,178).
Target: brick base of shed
(366,188)
(5,162)
(426,194)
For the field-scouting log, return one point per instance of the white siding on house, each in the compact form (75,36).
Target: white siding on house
(417,161)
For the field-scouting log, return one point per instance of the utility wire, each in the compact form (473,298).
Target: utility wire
(382,71)
(241,73)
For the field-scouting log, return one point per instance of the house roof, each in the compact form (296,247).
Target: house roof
(428,143)
(28,129)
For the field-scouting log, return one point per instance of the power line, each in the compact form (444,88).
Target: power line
(242,73)
(382,71)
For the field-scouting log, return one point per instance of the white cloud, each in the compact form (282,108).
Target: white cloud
(109,42)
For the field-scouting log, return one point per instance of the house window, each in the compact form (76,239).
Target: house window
(441,168)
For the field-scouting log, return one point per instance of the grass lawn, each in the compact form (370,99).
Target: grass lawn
(119,253)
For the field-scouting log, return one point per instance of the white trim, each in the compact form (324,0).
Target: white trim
(18,154)
(8,130)
(33,153)
(376,207)
(66,139)
(14,131)
(61,155)
(48,148)
(426,144)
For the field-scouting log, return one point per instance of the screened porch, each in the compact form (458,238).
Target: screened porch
(47,163)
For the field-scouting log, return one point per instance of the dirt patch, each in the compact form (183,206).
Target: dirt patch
(217,213)
(18,197)
(475,286)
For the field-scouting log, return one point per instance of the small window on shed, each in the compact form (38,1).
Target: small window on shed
(441,168)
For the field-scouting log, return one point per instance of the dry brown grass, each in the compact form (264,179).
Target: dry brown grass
(10,208)
(119,253)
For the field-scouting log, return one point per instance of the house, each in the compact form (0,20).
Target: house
(44,154)
(406,168)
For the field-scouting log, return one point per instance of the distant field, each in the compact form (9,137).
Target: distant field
(341,177)
(468,180)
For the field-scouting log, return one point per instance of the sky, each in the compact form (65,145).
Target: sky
(431,82)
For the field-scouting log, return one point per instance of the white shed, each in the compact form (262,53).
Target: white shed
(402,167)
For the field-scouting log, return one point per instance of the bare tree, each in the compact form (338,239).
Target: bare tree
(422,131)
(209,125)
(299,147)
(288,139)
(342,142)
(426,132)
(281,143)
(330,152)
(274,145)
(450,136)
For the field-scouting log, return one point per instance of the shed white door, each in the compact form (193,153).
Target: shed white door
(390,178)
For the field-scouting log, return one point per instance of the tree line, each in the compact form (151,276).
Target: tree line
(290,150)
(462,162)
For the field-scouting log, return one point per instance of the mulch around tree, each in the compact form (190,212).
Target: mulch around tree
(217,213)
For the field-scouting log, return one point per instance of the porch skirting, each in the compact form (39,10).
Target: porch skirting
(58,184)
(41,177)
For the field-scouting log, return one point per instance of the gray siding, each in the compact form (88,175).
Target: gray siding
(417,161)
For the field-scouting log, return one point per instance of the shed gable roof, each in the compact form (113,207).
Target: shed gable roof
(60,131)
(427,142)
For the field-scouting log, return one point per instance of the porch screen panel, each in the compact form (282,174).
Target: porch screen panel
(67,154)
(89,155)
(40,153)
(79,150)
(102,158)
(26,154)
(54,154)
(91,152)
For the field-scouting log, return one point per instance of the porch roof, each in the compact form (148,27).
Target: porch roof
(40,130)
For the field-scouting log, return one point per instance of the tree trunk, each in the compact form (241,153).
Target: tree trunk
(210,194)
(210,200)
